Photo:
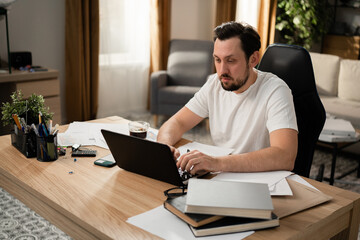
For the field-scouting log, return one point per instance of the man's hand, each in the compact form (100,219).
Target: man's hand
(198,162)
(175,152)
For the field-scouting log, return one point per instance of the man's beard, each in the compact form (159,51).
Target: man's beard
(236,85)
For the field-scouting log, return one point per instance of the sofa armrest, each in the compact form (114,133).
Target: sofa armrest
(158,80)
(326,71)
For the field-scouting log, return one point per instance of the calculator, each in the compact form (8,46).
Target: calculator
(84,153)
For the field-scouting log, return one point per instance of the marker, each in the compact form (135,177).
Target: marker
(40,117)
(16,119)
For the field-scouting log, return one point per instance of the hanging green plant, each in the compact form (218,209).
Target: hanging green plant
(25,108)
(303,22)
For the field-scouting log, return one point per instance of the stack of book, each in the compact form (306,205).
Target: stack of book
(338,130)
(219,207)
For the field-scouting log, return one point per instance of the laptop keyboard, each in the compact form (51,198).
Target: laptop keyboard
(185,175)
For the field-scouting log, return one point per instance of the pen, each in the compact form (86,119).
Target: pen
(22,120)
(44,128)
(24,126)
(55,128)
(55,132)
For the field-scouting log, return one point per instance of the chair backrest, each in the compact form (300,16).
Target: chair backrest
(293,65)
(190,62)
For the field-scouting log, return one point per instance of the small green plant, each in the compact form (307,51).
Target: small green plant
(303,22)
(25,108)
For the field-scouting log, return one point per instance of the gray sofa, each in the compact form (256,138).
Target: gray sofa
(338,84)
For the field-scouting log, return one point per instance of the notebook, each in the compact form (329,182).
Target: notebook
(235,224)
(235,199)
(144,157)
(177,207)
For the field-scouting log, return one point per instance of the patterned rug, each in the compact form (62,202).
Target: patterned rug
(18,222)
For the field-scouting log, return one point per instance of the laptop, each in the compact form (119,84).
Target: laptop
(144,157)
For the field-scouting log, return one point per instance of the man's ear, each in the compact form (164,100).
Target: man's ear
(254,59)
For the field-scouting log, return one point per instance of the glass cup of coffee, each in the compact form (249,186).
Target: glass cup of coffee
(138,128)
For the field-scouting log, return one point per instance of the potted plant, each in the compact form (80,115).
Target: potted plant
(24,139)
(303,22)
(25,108)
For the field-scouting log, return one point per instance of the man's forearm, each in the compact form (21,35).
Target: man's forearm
(169,133)
(173,129)
(279,156)
(268,159)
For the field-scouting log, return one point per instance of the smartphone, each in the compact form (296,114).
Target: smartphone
(107,161)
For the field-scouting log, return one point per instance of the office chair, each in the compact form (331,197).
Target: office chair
(293,65)
(190,62)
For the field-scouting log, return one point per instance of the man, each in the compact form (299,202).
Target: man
(248,110)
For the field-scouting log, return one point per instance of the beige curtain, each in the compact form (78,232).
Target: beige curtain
(225,11)
(266,27)
(81,59)
(160,16)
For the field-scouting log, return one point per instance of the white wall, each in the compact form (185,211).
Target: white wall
(192,19)
(37,26)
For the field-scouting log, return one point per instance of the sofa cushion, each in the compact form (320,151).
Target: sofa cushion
(341,108)
(326,70)
(349,80)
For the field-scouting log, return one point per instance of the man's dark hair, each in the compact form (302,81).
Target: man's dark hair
(250,39)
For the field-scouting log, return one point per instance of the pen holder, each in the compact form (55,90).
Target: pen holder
(47,148)
(24,142)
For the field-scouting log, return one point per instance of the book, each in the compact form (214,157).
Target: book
(339,127)
(225,198)
(338,138)
(234,224)
(177,207)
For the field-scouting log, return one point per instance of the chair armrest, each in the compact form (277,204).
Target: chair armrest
(158,79)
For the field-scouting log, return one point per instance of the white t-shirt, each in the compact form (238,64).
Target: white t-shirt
(243,121)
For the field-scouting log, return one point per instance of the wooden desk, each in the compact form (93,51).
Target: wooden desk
(94,202)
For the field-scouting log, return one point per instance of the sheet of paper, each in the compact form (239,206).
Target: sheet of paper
(87,134)
(281,188)
(270,178)
(207,149)
(166,225)
(299,179)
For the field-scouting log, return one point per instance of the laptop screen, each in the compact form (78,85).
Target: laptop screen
(144,157)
